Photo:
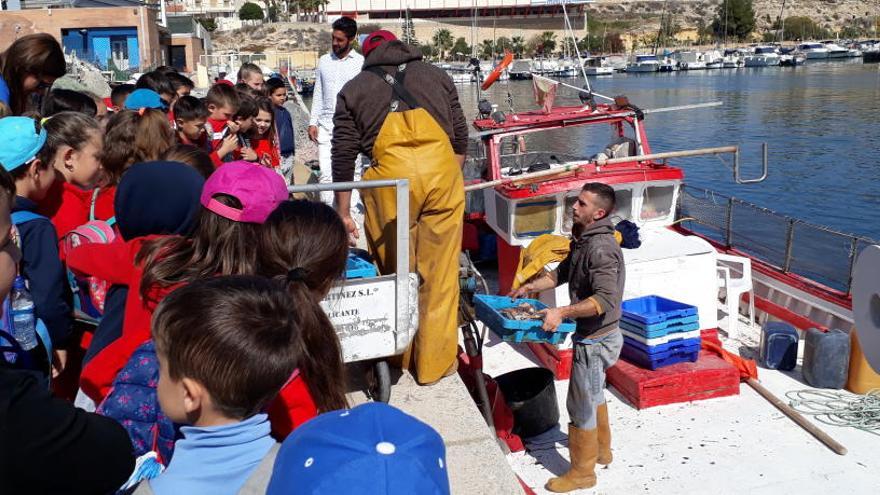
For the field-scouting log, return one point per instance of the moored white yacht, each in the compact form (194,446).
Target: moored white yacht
(836,51)
(644,63)
(763,56)
(598,66)
(812,50)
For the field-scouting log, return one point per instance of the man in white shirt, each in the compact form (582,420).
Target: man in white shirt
(334,70)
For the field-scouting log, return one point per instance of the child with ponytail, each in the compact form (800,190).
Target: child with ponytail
(305,245)
(235,201)
(73,144)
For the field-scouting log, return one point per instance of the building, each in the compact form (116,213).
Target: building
(450,9)
(118,36)
(189,41)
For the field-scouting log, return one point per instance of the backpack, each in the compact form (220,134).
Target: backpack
(10,350)
(89,292)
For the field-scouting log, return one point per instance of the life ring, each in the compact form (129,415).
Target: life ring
(496,72)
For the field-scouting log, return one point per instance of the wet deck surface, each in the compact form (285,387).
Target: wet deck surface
(739,444)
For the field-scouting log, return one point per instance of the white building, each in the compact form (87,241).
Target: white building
(439,9)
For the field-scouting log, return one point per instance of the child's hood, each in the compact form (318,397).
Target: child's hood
(160,197)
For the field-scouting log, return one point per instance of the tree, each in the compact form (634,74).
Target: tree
(548,42)
(442,42)
(209,24)
(803,28)
(487,49)
(734,19)
(250,12)
(461,47)
(408,35)
(503,43)
(518,45)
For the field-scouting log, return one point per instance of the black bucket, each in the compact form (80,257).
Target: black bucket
(531,395)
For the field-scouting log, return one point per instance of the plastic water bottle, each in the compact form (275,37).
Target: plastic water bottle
(23,319)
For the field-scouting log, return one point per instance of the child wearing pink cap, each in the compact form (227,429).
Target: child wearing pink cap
(236,200)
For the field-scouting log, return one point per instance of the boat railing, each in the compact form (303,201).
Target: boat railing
(792,245)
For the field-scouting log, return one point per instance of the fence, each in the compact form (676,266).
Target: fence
(792,245)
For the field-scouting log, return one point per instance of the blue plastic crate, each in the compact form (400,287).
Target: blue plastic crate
(659,360)
(648,333)
(487,309)
(671,322)
(655,309)
(357,267)
(675,345)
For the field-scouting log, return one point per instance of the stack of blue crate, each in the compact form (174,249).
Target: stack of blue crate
(658,332)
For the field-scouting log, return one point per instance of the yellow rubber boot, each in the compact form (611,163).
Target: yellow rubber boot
(604,435)
(583,447)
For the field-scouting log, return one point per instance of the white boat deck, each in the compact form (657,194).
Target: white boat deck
(739,444)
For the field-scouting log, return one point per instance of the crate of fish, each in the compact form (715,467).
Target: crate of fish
(358,267)
(657,357)
(650,310)
(518,320)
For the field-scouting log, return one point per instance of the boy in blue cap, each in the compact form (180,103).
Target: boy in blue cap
(40,263)
(145,98)
(372,449)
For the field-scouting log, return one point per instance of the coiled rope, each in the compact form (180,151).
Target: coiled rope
(839,408)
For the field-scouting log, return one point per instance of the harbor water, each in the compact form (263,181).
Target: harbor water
(820,121)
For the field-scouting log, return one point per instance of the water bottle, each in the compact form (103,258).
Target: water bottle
(22,312)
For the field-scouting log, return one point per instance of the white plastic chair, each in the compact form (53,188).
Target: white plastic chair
(735,287)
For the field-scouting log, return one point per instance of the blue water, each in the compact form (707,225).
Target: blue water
(820,122)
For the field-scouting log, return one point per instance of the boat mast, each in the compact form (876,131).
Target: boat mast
(781,36)
(576,48)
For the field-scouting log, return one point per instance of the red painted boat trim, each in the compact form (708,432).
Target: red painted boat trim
(798,321)
(811,287)
(613,174)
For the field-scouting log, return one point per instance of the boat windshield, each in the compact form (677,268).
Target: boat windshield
(646,58)
(764,50)
(568,144)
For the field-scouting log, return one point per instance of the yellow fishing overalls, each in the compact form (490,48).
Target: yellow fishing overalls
(411,145)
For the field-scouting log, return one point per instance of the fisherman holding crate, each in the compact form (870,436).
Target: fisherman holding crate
(594,270)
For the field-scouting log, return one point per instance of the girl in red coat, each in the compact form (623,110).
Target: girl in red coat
(305,245)
(264,140)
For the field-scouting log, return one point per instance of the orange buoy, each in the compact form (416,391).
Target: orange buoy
(496,72)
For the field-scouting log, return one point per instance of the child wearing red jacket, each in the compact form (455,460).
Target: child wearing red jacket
(72,146)
(222,102)
(264,140)
(190,120)
(305,244)
(235,201)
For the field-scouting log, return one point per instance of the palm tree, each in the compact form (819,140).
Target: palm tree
(518,44)
(487,49)
(443,41)
(548,42)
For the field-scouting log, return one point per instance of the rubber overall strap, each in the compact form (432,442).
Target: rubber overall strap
(396,83)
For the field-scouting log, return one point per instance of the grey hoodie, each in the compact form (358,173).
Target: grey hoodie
(595,269)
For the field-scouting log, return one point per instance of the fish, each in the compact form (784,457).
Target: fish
(522,311)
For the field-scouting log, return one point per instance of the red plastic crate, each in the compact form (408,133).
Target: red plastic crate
(709,377)
(559,361)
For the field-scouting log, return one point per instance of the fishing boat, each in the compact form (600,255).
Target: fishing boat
(689,60)
(763,56)
(644,63)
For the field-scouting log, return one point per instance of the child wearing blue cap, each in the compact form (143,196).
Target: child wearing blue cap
(373,449)
(40,264)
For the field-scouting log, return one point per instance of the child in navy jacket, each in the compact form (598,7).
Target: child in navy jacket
(40,263)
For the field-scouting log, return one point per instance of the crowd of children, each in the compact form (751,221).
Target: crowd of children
(179,287)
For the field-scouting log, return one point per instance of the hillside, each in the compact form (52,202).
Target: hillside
(618,15)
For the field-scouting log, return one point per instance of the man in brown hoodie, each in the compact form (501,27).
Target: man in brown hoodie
(595,274)
(404,114)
